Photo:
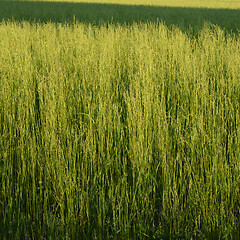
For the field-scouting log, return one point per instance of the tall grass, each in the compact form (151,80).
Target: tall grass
(118,131)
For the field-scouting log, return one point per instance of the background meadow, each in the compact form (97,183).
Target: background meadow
(119,121)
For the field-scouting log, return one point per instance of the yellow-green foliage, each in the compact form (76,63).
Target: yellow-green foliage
(118,130)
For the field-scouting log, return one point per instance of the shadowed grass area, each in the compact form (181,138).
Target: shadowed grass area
(215,4)
(192,19)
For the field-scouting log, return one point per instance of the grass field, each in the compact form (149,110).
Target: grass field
(120,121)
(232,4)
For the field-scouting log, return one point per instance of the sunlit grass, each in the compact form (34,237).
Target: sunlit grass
(118,131)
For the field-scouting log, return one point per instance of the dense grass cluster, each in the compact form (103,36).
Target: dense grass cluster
(118,131)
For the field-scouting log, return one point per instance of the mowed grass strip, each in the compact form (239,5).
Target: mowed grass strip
(226,4)
(190,16)
(118,131)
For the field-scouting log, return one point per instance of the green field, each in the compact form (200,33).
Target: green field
(120,120)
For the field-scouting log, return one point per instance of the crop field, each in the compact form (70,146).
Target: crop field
(120,119)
